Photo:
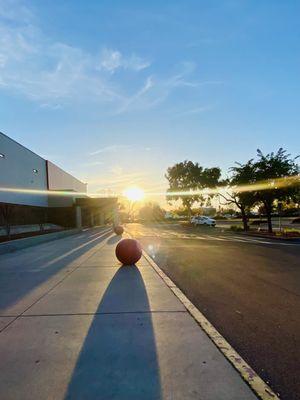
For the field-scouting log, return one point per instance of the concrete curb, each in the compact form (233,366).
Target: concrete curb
(254,235)
(19,244)
(259,387)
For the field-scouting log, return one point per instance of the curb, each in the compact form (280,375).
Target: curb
(19,244)
(254,235)
(259,387)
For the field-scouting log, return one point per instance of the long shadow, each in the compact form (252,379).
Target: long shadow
(118,359)
(114,239)
(23,271)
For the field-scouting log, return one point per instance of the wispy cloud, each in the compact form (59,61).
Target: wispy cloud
(118,148)
(14,10)
(155,90)
(111,149)
(196,110)
(92,164)
(55,74)
(132,101)
(116,180)
(112,60)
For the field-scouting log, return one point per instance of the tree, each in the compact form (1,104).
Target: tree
(272,179)
(6,211)
(273,174)
(151,212)
(183,178)
(242,175)
(41,215)
(186,179)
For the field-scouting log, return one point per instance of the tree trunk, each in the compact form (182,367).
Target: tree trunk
(245,219)
(269,217)
(6,211)
(7,228)
(189,213)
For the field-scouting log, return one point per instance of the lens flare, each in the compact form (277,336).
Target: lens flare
(134,194)
(137,194)
(270,184)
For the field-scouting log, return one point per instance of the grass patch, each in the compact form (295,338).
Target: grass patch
(289,232)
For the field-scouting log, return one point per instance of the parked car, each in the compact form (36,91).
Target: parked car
(203,221)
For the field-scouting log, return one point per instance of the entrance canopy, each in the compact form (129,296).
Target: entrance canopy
(91,202)
(92,211)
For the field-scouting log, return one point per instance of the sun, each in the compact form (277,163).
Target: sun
(134,194)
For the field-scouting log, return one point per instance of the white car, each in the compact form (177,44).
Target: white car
(203,221)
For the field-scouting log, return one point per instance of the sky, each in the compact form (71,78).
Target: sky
(114,92)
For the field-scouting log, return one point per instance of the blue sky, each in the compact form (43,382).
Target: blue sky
(116,91)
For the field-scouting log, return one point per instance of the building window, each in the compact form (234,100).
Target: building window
(2,155)
(35,171)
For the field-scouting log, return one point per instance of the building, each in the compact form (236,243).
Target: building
(34,190)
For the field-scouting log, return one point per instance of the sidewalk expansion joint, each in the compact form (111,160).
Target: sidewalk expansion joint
(103,234)
(104,313)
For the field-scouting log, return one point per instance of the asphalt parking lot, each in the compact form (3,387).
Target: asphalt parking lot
(249,288)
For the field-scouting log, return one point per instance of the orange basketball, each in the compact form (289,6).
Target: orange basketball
(119,230)
(128,251)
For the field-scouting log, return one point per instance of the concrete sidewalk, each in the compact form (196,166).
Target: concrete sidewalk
(95,330)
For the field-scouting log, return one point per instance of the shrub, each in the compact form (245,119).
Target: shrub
(219,217)
(236,228)
(291,230)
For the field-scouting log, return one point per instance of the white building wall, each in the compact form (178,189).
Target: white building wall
(20,168)
(59,180)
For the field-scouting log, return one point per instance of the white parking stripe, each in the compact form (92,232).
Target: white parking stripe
(235,239)
(216,238)
(257,240)
(224,238)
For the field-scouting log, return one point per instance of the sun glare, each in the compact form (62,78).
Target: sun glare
(134,194)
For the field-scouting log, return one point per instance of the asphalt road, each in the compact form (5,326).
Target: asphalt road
(248,288)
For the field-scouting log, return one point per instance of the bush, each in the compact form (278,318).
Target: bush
(219,217)
(296,221)
(291,230)
(236,228)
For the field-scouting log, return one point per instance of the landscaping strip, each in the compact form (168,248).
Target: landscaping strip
(18,244)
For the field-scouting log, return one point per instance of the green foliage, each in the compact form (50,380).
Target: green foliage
(151,212)
(236,228)
(270,167)
(186,177)
(291,230)
(267,169)
(181,211)
(254,183)
(241,175)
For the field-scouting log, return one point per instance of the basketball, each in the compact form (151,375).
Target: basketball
(128,251)
(119,230)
